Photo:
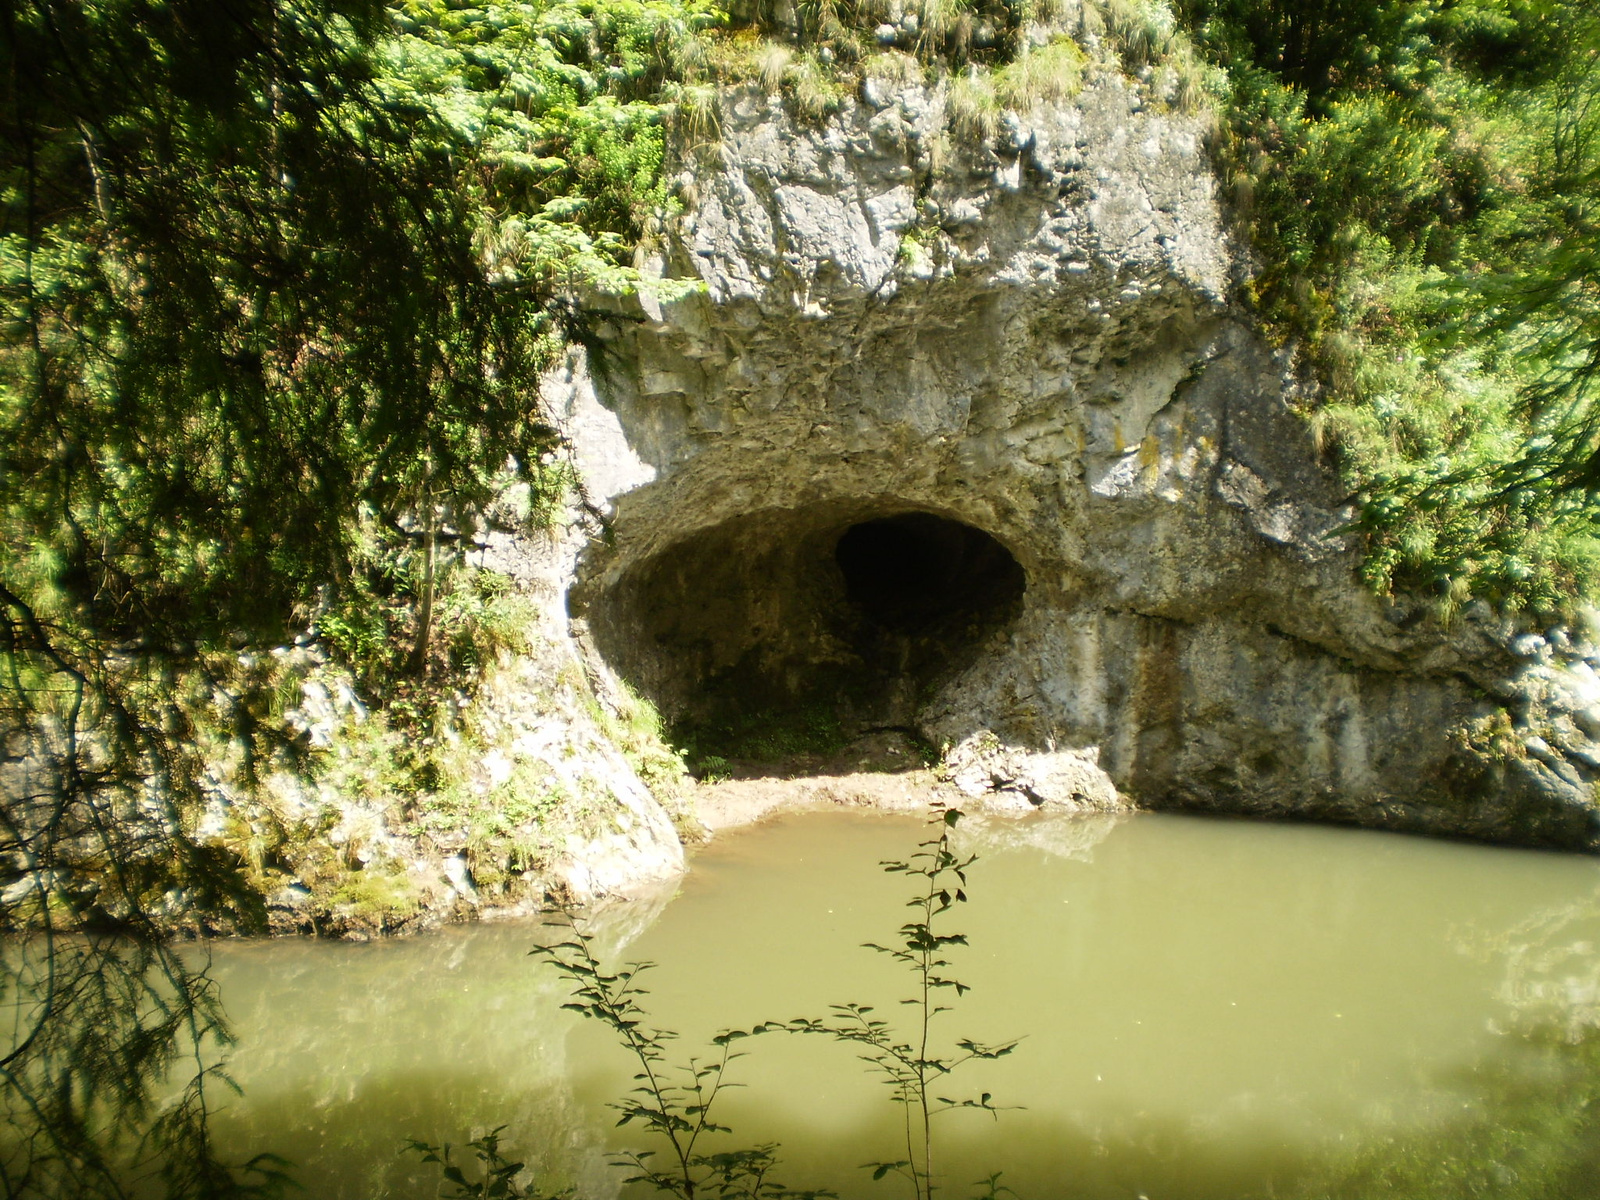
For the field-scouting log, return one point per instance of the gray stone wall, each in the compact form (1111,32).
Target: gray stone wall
(1031,337)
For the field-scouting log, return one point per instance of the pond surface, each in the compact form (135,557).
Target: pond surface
(1207,1009)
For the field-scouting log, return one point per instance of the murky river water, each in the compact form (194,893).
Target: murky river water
(1208,1009)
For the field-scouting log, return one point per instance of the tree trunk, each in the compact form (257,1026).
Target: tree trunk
(430,543)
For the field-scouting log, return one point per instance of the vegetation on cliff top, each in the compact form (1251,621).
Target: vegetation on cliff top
(278,277)
(1420,180)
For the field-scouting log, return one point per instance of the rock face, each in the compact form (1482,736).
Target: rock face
(545,715)
(967,437)
(546,792)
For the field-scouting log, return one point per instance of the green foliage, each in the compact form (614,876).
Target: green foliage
(672,1103)
(200,400)
(1534,299)
(714,768)
(1052,73)
(813,88)
(909,1062)
(565,105)
(1419,180)
(497,1175)
(634,726)
(768,735)
(1323,47)
(358,635)
(421,769)
(973,108)
(1141,31)
(377,898)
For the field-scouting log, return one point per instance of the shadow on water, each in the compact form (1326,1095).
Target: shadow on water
(1529,1133)
(1209,1010)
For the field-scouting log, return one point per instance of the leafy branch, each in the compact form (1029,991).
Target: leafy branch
(497,1174)
(909,1064)
(673,1102)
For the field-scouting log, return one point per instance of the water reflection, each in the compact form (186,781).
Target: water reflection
(1552,968)
(1071,839)
(1210,1008)
(348,1050)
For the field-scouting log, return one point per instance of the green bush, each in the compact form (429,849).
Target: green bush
(1396,168)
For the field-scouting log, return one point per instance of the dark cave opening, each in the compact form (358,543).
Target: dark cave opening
(915,572)
(789,628)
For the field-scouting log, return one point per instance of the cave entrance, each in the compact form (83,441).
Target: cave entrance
(788,633)
(916,573)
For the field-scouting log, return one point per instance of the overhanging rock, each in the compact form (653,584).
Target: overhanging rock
(1008,375)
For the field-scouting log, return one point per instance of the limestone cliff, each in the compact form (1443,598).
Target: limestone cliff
(1011,367)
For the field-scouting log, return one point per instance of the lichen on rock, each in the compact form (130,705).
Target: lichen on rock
(950,430)
(1027,335)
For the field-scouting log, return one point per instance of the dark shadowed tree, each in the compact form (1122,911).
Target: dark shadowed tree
(244,319)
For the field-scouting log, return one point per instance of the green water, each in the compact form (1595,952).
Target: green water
(1207,1008)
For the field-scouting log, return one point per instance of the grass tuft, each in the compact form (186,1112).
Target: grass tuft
(1047,75)
(973,107)
(773,65)
(813,87)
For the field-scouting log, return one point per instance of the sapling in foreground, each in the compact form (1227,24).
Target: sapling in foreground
(674,1101)
(909,1061)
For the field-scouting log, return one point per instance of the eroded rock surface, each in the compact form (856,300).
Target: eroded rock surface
(1030,339)
(544,800)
